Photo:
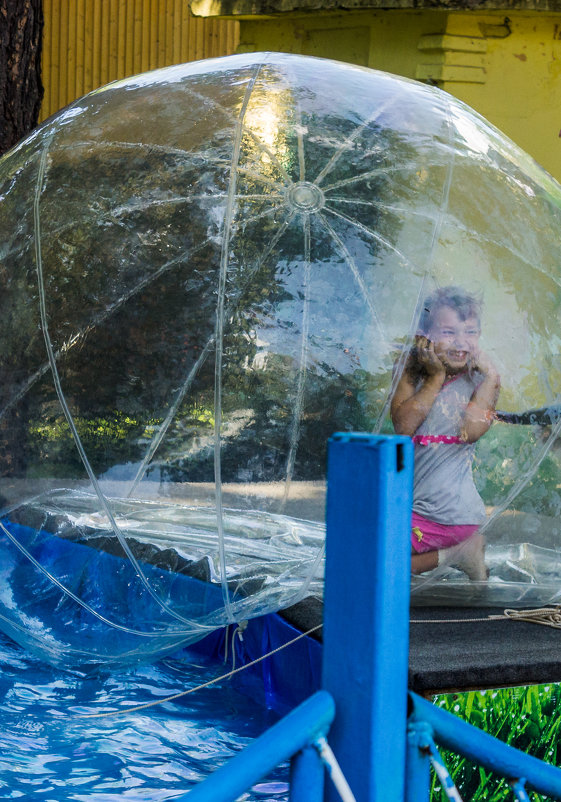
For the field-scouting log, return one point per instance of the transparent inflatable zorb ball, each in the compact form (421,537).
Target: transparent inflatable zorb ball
(206,271)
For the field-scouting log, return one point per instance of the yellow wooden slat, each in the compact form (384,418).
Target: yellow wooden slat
(129,30)
(170,11)
(96,43)
(103,43)
(46,59)
(88,46)
(58,53)
(124,24)
(137,38)
(184,32)
(71,51)
(161,58)
(115,42)
(176,37)
(208,33)
(63,54)
(80,40)
(55,54)
(193,38)
(87,43)
(154,34)
(200,41)
(145,62)
(214,39)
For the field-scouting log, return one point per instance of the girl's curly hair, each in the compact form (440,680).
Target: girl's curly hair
(464,303)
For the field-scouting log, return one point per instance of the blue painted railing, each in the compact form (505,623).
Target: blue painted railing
(294,736)
(384,737)
(429,724)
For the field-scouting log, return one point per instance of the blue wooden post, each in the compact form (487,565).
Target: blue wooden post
(307,775)
(417,766)
(366,610)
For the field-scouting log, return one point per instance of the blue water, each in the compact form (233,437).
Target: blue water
(49,752)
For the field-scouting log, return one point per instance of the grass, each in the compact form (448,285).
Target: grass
(527,718)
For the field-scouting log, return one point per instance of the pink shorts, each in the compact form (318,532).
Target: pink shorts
(430,536)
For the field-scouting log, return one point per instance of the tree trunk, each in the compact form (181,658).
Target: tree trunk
(21,90)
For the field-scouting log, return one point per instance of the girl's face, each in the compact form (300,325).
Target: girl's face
(456,341)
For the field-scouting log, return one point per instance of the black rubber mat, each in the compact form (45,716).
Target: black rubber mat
(462,653)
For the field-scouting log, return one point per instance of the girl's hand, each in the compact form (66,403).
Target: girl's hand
(484,364)
(427,358)
(480,412)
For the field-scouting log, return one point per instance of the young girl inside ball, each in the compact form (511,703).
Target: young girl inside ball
(445,400)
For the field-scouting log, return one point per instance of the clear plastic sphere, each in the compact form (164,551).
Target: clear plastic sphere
(207,270)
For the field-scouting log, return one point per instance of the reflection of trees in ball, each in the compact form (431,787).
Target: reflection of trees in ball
(127,356)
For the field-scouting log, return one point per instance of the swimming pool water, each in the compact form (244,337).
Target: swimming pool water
(49,752)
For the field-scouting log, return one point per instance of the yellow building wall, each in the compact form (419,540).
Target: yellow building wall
(87,43)
(521,93)
(506,67)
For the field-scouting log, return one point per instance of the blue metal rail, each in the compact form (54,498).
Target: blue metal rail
(384,737)
(292,737)
(427,721)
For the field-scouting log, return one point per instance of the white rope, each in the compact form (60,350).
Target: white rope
(454,620)
(448,785)
(334,770)
(547,616)
(239,630)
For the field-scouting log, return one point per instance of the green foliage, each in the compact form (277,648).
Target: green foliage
(53,451)
(505,455)
(527,718)
(111,439)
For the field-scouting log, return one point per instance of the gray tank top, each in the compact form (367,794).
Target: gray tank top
(443,487)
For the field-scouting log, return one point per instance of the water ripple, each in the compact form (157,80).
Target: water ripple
(49,753)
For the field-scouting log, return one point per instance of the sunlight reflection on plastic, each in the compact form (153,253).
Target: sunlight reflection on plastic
(194,300)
